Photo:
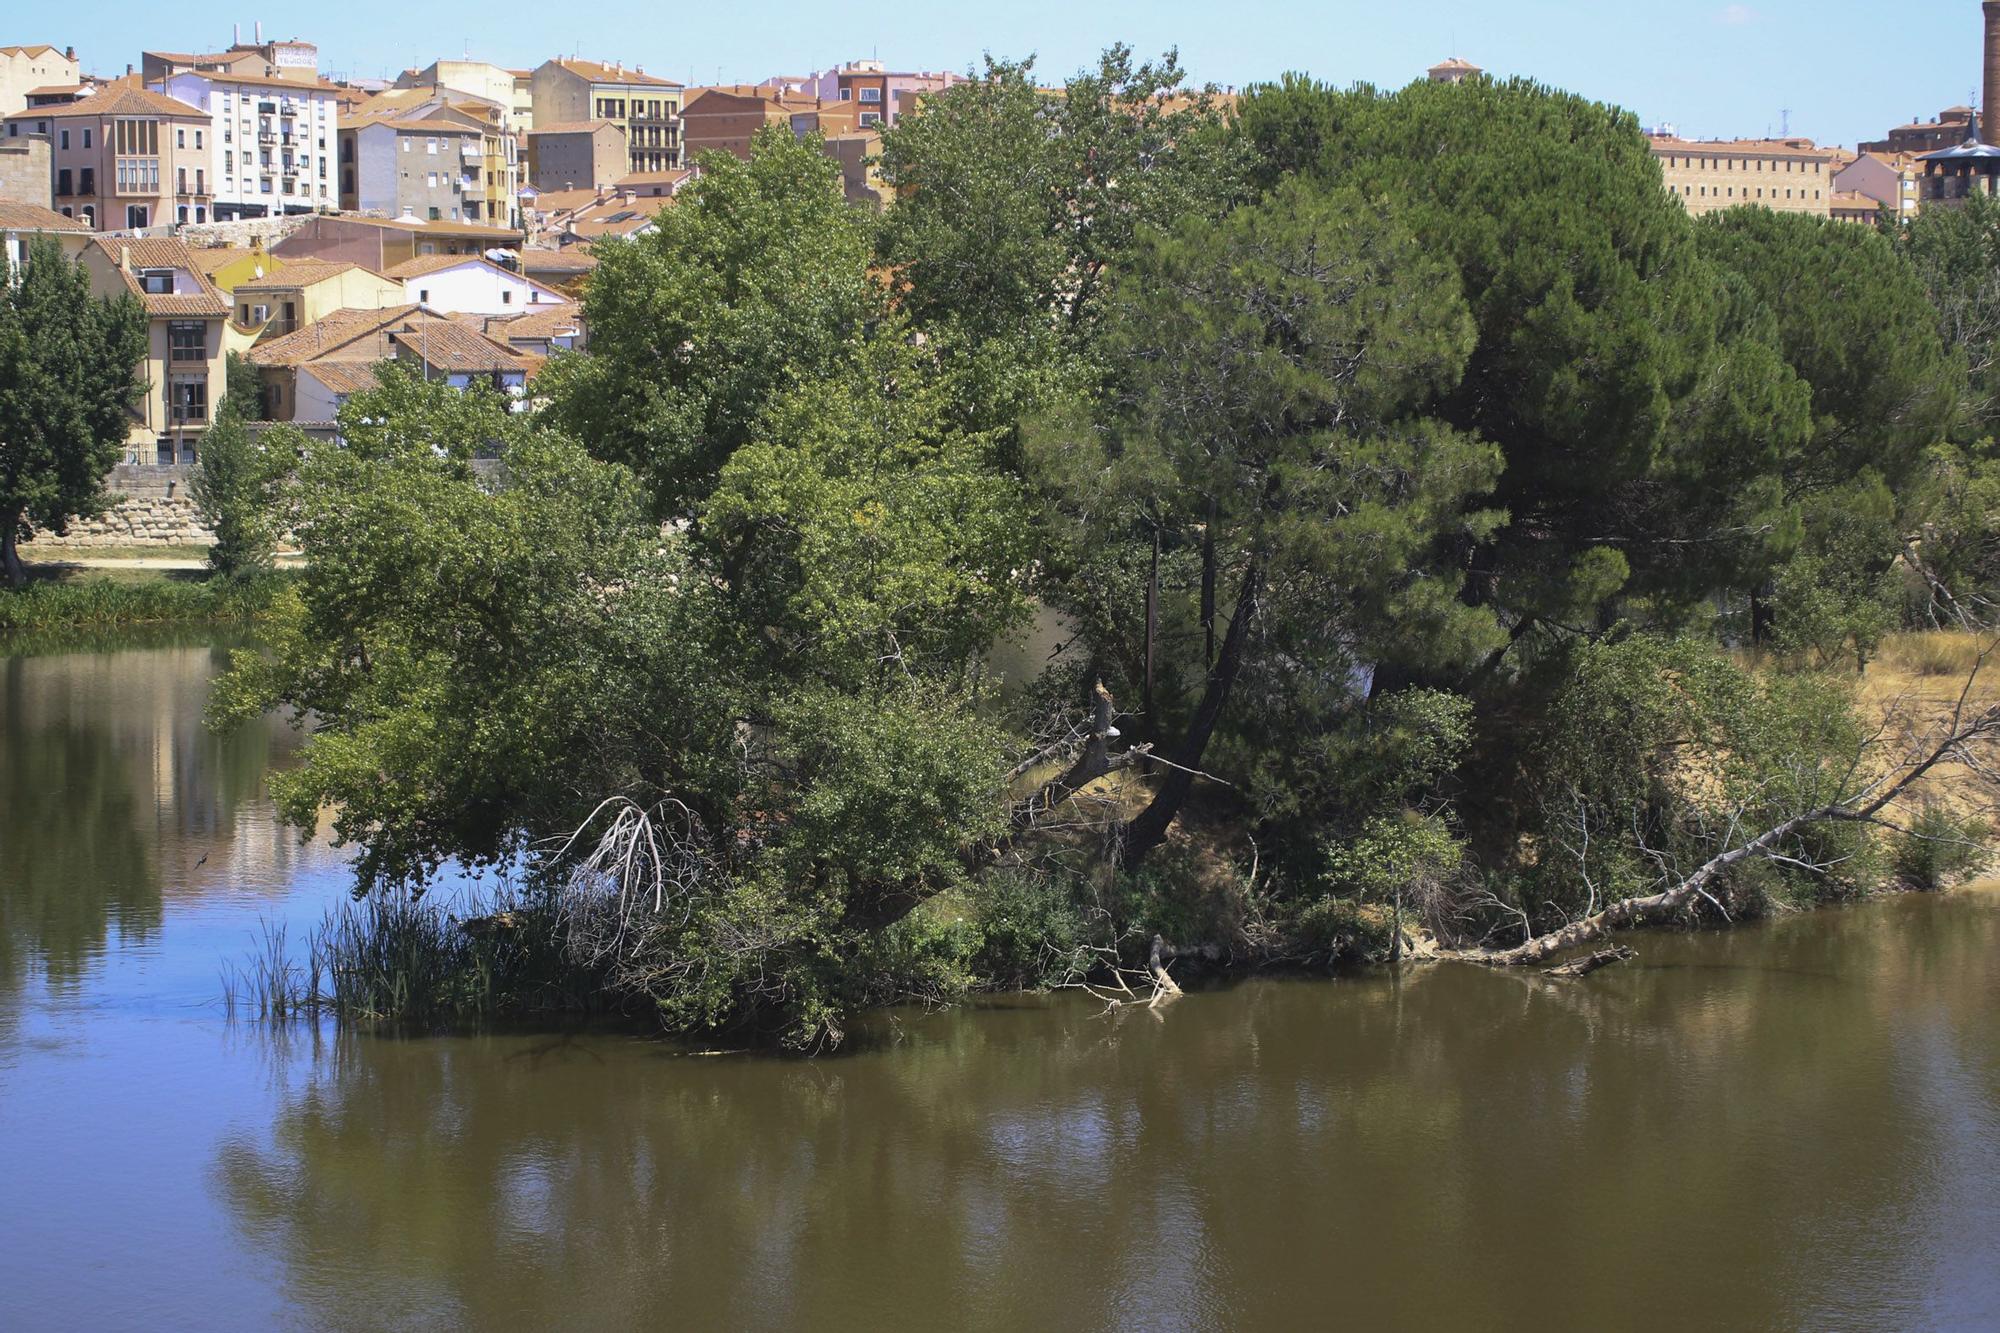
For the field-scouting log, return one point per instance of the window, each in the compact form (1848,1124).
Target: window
(64,139)
(506,298)
(424,294)
(229,161)
(157,281)
(187,400)
(431,147)
(62,182)
(180,138)
(197,138)
(871,94)
(183,214)
(136,217)
(406,145)
(847,94)
(870,118)
(86,181)
(89,213)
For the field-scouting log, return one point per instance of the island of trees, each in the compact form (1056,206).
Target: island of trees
(1435,538)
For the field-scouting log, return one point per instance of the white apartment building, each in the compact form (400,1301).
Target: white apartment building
(274,144)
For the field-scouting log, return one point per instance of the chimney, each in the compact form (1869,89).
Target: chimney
(259,29)
(124,257)
(1989,104)
(69,54)
(235,34)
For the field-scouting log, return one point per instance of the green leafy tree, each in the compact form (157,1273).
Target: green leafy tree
(238,490)
(68,378)
(754,281)
(1956,254)
(1017,204)
(1278,372)
(244,394)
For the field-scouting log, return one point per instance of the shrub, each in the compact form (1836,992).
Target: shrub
(1938,848)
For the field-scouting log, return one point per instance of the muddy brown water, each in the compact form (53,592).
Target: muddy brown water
(1794,1125)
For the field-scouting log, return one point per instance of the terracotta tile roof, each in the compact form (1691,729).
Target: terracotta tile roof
(621,215)
(549,322)
(33,217)
(343,376)
(338,331)
(1804,148)
(576,127)
(1852,201)
(146,253)
(598,72)
(563,201)
(427,264)
(445,344)
(117,100)
(297,273)
(638,178)
(258,80)
(29,51)
(576,259)
(435,227)
(53,89)
(212,258)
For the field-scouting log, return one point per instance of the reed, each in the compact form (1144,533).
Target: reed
(97,602)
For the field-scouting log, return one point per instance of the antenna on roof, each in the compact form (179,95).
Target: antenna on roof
(1784,122)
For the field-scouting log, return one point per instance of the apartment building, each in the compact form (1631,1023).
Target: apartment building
(271,141)
(727,118)
(23,69)
(184,369)
(567,91)
(424,165)
(510,89)
(291,59)
(1788,175)
(579,156)
(881,96)
(300,292)
(491,182)
(126,158)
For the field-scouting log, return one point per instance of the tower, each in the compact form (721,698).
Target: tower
(1989,100)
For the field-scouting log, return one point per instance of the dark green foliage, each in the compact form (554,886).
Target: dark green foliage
(68,376)
(243,398)
(94,602)
(1955,253)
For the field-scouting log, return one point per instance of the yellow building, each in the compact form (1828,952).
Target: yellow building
(302,292)
(184,369)
(1788,175)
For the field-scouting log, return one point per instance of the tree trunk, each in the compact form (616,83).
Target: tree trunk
(10,551)
(1208,589)
(1149,830)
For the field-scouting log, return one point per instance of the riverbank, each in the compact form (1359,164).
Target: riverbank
(111,593)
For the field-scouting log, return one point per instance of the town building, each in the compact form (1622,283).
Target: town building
(726,119)
(295,60)
(21,225)
(1894,181)
(299,292)
(468,284)
(126,158)
(1453,70)
(26,68)
(860,181)
(491,183)
(27,173)
(382,243)
(881,96)
(1786,175)
(567,91)
(307,376)
(565,270)
(578,156)
(512,90)
(434,162)
(184,368)
(272,142)
(1853,206)
(1952,127)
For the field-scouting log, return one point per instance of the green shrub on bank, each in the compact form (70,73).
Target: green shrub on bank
(1938,847)
(100,601)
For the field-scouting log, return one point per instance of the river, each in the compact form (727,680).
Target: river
(1794,1125)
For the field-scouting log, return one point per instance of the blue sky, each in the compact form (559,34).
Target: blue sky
(1845,70)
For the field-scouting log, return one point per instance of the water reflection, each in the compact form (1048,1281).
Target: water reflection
(113,794)
(1785,1127)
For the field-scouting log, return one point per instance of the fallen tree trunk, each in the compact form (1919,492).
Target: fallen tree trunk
(1863,807)
(1584,966)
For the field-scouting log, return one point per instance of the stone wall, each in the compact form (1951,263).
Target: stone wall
(153,509)
(240,231)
